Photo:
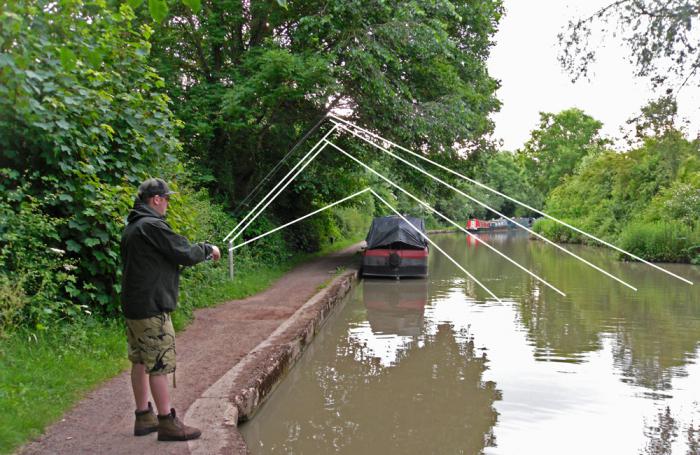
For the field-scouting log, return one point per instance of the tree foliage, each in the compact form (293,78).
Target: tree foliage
(250,78)
(82,120)
(505,172)
(646,199)
(560,142)
(662,38)
(84,114)
(657,118)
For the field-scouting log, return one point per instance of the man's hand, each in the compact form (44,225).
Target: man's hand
(215,253)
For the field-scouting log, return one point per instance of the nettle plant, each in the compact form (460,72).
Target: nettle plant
(83,119)
(34,278)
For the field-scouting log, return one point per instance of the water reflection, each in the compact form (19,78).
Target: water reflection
(655,331)
(492,238)
(435,366)
(661,434)
(382,379)
(664,433)
(693,438)
(556,329)
(439,376)
(395,307)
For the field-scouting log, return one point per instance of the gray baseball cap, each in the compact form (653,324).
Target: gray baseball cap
(152,187)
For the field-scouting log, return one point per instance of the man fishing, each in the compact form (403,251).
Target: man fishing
(152,256)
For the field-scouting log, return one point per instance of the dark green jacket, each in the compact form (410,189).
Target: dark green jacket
(152,255)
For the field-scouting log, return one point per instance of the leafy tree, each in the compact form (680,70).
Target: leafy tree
(585,199)
(658,122)
(505,172)
(657,118)
(561,141)
(250,78)
(612,188)
(645,200)
(661,36)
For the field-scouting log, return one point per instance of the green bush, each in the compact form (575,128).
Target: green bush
(37,278)
(666,241)
(271,249)
(83,119)
(680,202)
(12,302)
(668,228)
(354,220)
(638,200)
(192,214)
(556,232)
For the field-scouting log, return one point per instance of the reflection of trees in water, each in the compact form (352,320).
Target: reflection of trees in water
(493,271)
(433,400)
(663,432)
(655,331)
(693,438)
(556,328)
(647,364)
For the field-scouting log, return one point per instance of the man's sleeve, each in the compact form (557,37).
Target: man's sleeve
(174,246)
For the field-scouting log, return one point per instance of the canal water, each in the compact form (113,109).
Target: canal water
(436,366)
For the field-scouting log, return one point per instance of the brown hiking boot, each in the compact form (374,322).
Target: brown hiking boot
(170,428)
(146,422)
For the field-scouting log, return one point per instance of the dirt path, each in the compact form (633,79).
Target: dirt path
(216,341)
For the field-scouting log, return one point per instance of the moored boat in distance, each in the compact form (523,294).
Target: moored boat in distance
(477,225)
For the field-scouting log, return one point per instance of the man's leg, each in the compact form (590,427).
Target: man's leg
(170,427)
(159,389)
(139,384)
(146,421)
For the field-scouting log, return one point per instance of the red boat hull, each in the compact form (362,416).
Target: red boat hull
(395,263)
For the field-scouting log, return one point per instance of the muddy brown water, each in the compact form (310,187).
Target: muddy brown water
(435,366)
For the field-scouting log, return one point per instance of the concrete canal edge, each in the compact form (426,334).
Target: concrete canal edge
(241,391)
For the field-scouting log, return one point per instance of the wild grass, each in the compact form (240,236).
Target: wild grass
(658,241)
(43,374)
(333,275)
(210,285)
(668,241)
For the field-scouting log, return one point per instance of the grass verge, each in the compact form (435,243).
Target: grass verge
(43,374)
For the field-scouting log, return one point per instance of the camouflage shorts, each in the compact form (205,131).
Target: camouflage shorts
(152,343)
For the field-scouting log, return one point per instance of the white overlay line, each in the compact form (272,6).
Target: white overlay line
(279,192)
(298,219)
(436,247)
(522,204)
(425,204)
(280,182)
(485,206)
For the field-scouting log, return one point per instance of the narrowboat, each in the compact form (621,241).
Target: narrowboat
(476,225)
(395,249)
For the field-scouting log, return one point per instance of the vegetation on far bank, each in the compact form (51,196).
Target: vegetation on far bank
(644,199)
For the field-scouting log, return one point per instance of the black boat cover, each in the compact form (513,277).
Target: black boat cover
(388,230)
